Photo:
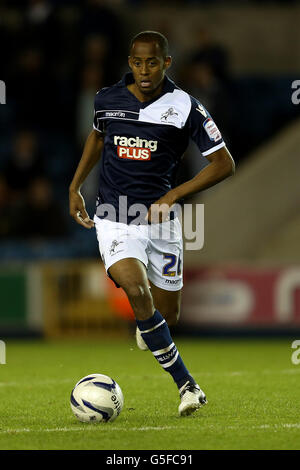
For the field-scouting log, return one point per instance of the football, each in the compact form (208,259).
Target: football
(97,397)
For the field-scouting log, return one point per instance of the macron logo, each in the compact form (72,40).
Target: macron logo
(119,114)
(201,110)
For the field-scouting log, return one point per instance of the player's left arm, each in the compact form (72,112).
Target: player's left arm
(221,166)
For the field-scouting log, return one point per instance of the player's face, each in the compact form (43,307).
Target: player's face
(148,67)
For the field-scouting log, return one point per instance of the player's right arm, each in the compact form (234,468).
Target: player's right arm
(91,155)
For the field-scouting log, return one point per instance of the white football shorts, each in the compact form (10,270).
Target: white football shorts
(158,246)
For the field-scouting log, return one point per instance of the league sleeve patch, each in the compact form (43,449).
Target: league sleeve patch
(212,130)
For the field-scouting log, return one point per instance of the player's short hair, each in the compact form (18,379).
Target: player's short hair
(152,36)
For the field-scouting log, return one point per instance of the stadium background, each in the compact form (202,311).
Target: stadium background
(240,60)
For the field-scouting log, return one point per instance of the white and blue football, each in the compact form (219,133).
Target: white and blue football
(97,397)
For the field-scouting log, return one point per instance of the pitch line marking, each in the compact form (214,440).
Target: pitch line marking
(87,428)
(106,428)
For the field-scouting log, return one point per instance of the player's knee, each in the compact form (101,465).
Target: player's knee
(135,291)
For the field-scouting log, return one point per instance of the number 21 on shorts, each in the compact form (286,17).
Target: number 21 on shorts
(172,262)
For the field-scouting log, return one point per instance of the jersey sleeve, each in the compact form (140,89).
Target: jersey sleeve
(99,122)
(203,130)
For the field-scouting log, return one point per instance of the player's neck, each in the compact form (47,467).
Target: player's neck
(143,97)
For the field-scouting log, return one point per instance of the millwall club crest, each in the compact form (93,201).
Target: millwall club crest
(170,112)
(114,245)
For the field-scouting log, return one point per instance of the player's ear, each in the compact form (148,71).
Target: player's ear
(168,62)
(129,61)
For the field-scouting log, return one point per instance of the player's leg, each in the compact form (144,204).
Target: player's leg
(167,302)
(130,274)
(165,277)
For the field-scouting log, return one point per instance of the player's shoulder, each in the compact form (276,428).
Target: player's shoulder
(109,94)
(177,94)
(198,110)
(103,95)
(191,104)
(194,101)
(103,91)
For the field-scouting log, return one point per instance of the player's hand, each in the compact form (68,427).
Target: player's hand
(159,211)
(78,211)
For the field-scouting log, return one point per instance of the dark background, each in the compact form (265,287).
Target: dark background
(56,54)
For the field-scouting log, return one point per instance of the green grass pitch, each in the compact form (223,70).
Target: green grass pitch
(251,385)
